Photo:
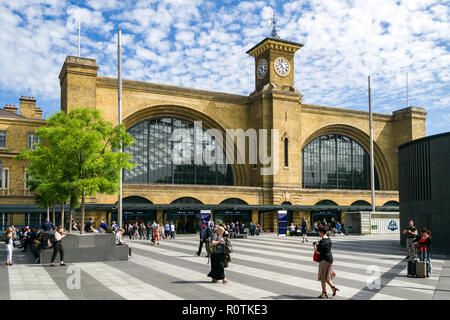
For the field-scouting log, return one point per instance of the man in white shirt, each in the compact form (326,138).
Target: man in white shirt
(172,230)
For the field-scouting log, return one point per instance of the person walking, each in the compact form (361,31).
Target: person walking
(326,273)
(217,272)
(204,236)
(47,226)
(304,230)
(57,246)
(157,234)
(9,239)
(333,227)
(172,231)
(411,232)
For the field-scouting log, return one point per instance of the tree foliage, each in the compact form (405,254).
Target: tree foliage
(79,156)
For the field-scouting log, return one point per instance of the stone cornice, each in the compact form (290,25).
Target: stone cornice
(274,44)
(23,121)
(184,187)
(340,111)
(163,89)
(388,193)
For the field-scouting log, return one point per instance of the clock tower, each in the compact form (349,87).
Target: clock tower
(274,62)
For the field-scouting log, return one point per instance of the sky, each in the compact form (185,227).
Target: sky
(202,44)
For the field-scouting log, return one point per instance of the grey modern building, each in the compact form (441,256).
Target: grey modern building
(424,187)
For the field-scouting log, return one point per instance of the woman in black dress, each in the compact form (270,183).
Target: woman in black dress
(217,258)
(326,273)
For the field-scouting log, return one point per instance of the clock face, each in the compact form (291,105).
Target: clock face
(282,66)
(262,69)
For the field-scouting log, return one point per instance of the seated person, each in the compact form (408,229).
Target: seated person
(89,226)
(119,240)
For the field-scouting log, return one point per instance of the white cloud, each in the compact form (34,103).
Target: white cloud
(202,44)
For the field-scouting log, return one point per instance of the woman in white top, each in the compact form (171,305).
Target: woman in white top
(57,246)
(9,239)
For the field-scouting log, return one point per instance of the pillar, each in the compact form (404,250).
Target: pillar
(255,219)
(159,216)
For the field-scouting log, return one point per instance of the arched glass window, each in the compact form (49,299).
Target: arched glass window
(334,161)
(152,151)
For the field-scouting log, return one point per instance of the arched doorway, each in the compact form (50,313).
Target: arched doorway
(135,215)
(360,203)
(325,215)
(244,217)
(185,220)
(391,204)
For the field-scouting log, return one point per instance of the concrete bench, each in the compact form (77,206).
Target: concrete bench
(241,236)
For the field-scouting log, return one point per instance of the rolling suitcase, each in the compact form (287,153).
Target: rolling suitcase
(422,269)
(411,268)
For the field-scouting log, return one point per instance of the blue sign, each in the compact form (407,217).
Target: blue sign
(392,225)
(205,215)
(282,222)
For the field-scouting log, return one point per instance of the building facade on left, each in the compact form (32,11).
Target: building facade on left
(17,132)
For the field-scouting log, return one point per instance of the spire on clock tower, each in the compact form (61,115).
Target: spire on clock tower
(274,60)
(274,23)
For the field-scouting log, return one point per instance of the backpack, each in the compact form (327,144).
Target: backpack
(228,247)
(210,249)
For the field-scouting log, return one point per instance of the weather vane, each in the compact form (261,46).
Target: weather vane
(274,23)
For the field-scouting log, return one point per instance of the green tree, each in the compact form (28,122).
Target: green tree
(79,157)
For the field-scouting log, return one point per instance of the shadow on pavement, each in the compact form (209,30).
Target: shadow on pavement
(190,282)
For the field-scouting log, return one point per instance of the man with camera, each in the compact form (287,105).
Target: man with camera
(411,232)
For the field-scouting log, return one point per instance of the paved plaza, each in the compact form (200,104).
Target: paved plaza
(263,267)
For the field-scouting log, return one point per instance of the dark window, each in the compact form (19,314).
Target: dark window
(2,139)
(152,152)
(286,152)
(335,161)
(32,140)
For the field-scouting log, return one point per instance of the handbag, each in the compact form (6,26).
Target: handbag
(316,256)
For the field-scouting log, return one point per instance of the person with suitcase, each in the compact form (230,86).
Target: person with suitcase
(425,252)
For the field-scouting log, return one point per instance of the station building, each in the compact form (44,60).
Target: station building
(323,169)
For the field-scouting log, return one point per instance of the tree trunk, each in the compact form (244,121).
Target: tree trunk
(53,215)
(82,212)
(48,213)
(70,218)
(62,215)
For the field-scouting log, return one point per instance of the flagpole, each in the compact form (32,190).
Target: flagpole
(119,86)
(79,33)
(372,169)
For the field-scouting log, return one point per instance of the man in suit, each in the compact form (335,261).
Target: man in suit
(204,236)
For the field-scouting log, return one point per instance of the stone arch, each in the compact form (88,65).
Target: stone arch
(326,202)
(360,203)
(134,199)
(233,201)
(391,203)
(183,112)
(186,200)
(363,139)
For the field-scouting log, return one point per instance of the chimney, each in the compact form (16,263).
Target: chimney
(28,108)
(9,108)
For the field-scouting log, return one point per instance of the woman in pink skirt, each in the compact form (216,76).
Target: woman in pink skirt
(326,273)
